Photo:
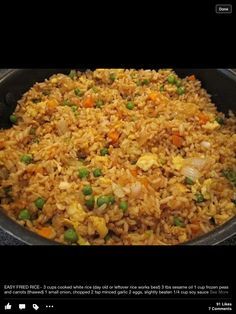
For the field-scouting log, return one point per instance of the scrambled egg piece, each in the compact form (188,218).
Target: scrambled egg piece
(40,108)
(100,159)
(206,188)
(32,112)
(178,162)
(189,108)
(146,161)
(99,225)
(196,187)
(179,187)
(211,126)
(64,185)
(54,80)
(52,103)
(104,181)
(76,212)
(82,241)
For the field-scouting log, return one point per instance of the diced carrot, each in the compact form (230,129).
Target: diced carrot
(124,180)
(113,136)
(52,152)
(155,113)
(2,144)
(46,232)
(144,181)
(52,103)
(35,169)
(194,228)
(153,96)
(175,133)
(192,77)
(203,118)
(76,101)
(39,169)
(20,204)
(177,140)
(134,172)
(88,102)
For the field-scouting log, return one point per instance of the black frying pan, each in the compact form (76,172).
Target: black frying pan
(221,84)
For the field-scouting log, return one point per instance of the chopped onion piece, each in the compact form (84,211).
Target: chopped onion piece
(190,172)
(64,185)
(100,210)
(196,162)
(62,126)
(117,190)
(136,188)
(205,144)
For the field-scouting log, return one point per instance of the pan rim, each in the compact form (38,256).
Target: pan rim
(214,237)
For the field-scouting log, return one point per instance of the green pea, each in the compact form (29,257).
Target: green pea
(230,174)
(74,108)
(89,203)
(123,206)
(104,151)
(32,131)
(83,173)
(178,222)
(39,202)
(70,235)
(97,172)
(78,92)
(178,83)
(220,120)
(130,105)
(26,159)
(67,103)
(13,118)
(99,103)
(112,77)
(72,74)
(199,198)
(87,190)
(189,181)
(108,236)
(24,214)
(111,199)
(162,88)
(103,200)
(95,89)
(139,83)
(171,79)
(180,90)
(145,82)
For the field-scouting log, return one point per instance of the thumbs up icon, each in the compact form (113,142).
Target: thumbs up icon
(8,306)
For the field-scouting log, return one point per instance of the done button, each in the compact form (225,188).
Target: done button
(223,8)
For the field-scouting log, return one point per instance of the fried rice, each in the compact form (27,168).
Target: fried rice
(118,157)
